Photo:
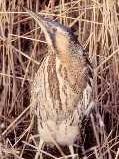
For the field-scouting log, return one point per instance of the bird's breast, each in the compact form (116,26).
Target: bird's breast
(51,89)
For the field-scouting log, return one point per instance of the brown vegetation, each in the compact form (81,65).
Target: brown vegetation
(22,48)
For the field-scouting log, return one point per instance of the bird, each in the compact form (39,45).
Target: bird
(61,92)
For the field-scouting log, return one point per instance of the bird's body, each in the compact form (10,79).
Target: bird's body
(61,91)
(56,101)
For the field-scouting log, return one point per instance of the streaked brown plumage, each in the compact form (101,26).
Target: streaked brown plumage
(61,92)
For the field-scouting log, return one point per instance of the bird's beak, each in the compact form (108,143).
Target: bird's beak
(46,26)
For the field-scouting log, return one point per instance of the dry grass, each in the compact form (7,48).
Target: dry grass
(21,49)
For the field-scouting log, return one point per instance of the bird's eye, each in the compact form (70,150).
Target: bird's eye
(54,29)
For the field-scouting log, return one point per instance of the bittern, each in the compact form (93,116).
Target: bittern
(61,92)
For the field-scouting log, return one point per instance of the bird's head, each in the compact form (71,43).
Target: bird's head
(57,36)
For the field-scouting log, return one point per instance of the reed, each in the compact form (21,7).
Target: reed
(22,48)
